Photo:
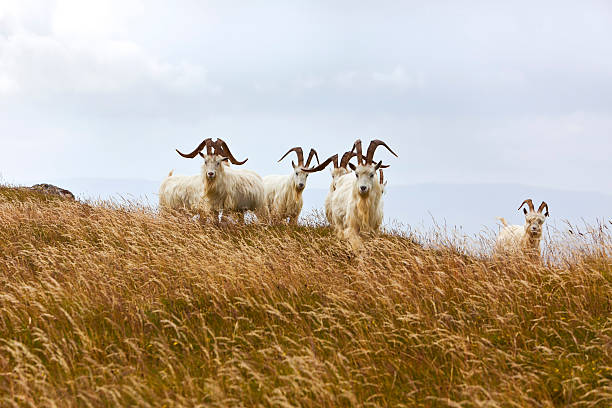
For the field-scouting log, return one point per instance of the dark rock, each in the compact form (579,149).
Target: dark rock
(53,190)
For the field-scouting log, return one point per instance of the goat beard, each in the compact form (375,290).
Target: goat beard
(365,207)
(531,241)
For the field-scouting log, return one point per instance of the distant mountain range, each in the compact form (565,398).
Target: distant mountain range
(470,208)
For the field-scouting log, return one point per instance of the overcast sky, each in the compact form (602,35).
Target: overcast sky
(463,91)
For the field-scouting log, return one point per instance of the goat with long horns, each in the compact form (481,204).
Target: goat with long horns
(523,238)
(217,188)
(283,193)
(355,206)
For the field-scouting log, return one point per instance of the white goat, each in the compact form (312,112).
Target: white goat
(355,204)
(337,171)
(283,194)
(217,188)
(523,238)
(181,192)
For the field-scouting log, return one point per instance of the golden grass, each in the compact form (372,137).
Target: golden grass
(106,305)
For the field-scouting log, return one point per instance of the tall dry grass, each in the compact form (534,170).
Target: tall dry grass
(107,305)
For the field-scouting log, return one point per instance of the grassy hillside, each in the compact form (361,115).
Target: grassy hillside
(115,306)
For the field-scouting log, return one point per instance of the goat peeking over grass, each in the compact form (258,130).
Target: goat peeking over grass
(526,238)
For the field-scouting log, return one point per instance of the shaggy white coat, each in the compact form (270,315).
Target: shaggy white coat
(230,190)
(336,175)
(525,239)
(283,199)
(181,192)
(352,213)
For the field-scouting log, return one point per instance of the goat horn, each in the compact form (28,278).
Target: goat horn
(299,152)
(372,148)
(357,148)
(205,142)
(346,158)
(311,154)
(224,151)
(529,203)
(542,206)
(332,159)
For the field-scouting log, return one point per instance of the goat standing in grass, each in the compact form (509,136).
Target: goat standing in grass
(356,206)
(339,170)
(283,194)
(184,193)
(220,188)
(523,238)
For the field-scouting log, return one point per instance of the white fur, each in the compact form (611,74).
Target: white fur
(181,192)
(230,189)
(336,175)
(283,198)
(525,239)
(351,213)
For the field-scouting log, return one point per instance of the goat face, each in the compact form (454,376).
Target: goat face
(299,177)
(338,172)
(533,224)
(366,177)
(213,164)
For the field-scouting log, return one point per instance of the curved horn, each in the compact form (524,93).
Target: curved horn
(357,148)
(223,150)
(372,148)
(209,148)
(205,142)
(311,154)
(299,152)
(542,206)
(529,203)
(332,159)
(346,158)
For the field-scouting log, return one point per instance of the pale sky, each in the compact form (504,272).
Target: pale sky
(463,91)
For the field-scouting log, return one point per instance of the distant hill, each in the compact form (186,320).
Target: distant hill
(469,207)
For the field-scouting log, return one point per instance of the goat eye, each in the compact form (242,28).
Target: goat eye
(356,175)
(371,175)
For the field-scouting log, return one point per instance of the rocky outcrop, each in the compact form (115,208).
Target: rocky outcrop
(53,190)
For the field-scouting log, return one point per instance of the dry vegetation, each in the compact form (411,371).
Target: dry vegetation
(108,305)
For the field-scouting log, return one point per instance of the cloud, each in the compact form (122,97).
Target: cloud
(394,80)
(75,57)
(466,92)
(399,79)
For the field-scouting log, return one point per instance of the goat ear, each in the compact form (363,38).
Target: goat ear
(200,153)
(546,214)
(293,164)
(224,159)
(378,165)
(352,166)
(525,211)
